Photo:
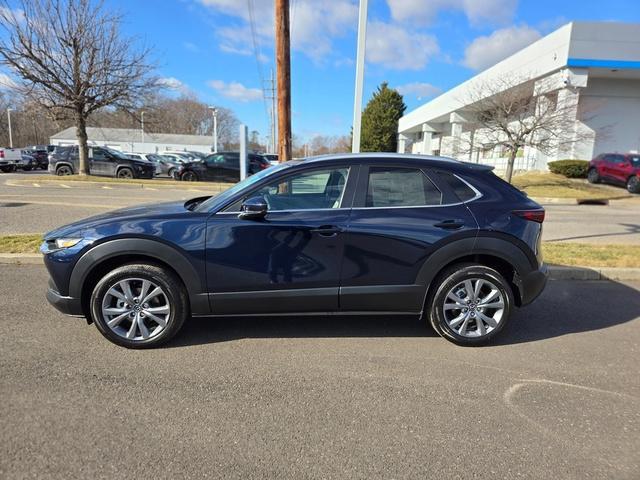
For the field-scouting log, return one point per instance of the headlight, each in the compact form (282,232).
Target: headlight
(61,243)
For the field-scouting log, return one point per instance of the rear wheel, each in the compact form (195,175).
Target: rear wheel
(125,173)
(593,176)
(189,176)
(139,305)
(470,305)
(171,172)
(633,184)
(63,170)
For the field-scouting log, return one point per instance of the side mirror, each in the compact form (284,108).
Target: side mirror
(253,208)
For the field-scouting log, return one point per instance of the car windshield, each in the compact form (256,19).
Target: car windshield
(116,153)
(635,161)
(247,182)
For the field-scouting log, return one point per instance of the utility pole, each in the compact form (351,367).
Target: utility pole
(357,103)
(142,125)
(283,73)
(270,94)
(215,128)
(10,134)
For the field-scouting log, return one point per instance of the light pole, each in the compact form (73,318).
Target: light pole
(10,134)
(142,125)
(357,103)
(215,128)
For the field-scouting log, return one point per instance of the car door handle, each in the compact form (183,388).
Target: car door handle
(327,230)
(450,224)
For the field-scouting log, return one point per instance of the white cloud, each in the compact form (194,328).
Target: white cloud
(236,91)
(314,25)
(421,12)
(6,82)
(396,47)
(418,89)
(486,51)
(172,83)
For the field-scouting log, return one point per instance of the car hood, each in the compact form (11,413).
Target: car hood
(150,210)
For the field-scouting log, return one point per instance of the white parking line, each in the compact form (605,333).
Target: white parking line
(149,188)
(64,186)
(36,185)
(107,188)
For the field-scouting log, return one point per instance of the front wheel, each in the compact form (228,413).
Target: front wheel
(63,171)
(633,184)
(593,176)
(470,305)
(125,173)
(189,176)
(139,305)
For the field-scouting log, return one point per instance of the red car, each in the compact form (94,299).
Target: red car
(616,168)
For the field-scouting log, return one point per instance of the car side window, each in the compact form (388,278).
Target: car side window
(214,160)
(309,190)
(98,154)
(463,191)
(616,159)
(400,187)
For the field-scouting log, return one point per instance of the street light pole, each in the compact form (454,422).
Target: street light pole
(357,103)
(215,128)
(10,133)
(142,125)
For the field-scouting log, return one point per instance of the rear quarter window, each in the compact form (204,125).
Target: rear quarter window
(462,191)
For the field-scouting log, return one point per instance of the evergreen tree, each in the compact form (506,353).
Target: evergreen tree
(380,120)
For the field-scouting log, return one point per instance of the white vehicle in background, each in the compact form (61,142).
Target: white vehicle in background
(182,156)
(10,158)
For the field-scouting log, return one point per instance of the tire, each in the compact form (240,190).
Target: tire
(633,184)
(5,169)
(125,172)
(189,176)
(471,324)
(170,173)
(593,176)
(26,169)
(63,170)
(147,332)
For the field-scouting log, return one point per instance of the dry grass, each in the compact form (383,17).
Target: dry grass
(540,185)
(591,255)
(20,243)
(218,186)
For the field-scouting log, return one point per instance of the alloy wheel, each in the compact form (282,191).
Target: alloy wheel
(125,173)
(474,307)
(136,309)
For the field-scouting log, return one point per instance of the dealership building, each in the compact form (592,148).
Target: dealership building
(134,140)
(594,66)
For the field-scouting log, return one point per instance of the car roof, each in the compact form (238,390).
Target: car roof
(404,158)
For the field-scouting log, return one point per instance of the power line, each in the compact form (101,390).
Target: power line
(257,53)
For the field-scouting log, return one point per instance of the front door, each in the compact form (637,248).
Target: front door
(290,260)
(101,162)
(400,217)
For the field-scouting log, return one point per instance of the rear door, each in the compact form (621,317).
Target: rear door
(401,215)
(617,168)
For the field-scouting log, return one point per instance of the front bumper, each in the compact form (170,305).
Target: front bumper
(532,284)
(66,305)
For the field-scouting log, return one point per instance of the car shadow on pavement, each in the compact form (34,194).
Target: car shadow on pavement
(564,308)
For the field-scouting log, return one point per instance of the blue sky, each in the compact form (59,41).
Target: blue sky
(421,47)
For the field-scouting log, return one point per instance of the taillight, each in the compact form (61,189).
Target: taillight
(531,215)
(264,165)
(1,153)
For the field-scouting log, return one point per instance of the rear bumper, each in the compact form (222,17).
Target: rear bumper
(66,305)
(532,284)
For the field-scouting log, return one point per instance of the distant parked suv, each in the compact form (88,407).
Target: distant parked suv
(103,161)
(616,168)
(40,153)
(220,167)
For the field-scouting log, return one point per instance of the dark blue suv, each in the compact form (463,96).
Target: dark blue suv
(372,234)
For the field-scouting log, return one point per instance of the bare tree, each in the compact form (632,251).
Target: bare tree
(510,114)
(72,59)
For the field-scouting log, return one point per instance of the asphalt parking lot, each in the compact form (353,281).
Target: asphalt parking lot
(558,397)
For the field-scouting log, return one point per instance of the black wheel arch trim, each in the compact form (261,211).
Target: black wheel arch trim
(504,249)
(144,247)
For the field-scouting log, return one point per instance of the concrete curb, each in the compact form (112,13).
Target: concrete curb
(556,272)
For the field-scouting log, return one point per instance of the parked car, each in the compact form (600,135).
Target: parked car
(220,167)
(617,169)
(386,234)
(9,159)
(164,165)
(27,162)
(272,157)
(184,156)
(103,161)
(41,154)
